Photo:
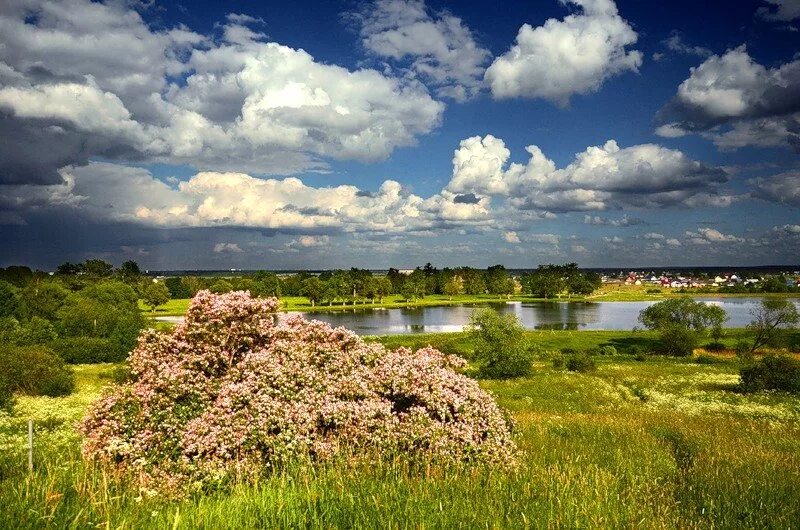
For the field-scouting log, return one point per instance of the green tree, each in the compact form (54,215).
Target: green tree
(17,275)
(129,272)
(154,295)
(9,300)
(221,286)
(500,345)
(498,281)
(43,299)
(454,286)
(98,268)
(545,282)
(313,289)
(383,288)
(177,288)
(680,323)
(716,319)
(267,284)
(473,281)
(770,320)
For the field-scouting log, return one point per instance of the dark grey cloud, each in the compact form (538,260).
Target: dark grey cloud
(737,102)
(466,198)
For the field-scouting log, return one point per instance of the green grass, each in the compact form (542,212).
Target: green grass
(662,443)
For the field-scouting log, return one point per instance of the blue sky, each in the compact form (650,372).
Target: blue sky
(392,133)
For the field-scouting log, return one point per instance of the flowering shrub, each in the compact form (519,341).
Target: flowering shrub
(232,392)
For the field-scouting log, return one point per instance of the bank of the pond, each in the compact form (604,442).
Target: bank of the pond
(575,315)
(178,307)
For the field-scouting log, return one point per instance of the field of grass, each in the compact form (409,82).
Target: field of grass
(662,443)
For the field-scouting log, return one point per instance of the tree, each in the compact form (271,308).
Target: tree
(716,318)
(498,281)
(267,284)
(473,281)
(177,288)
(98,268)
(67,268)
(221,286)
(383,288)
(129,271)
(155,294)
(43,299)
(313,289)
(9,300)
(770,319)
(454,286)
(545,282)
(681,322)
(17,275)
(500,345)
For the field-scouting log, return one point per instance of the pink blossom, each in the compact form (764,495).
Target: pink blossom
(231,392)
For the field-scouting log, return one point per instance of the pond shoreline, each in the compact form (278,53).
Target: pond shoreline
(535,315)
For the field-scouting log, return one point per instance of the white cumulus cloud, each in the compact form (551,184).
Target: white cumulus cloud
(566,57)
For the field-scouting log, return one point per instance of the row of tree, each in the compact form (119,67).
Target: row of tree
(354,285)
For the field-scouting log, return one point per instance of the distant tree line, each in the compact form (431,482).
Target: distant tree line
(361,285)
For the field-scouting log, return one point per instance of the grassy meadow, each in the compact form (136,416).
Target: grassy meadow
(659,443)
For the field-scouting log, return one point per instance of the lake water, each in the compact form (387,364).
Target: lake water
(533,315)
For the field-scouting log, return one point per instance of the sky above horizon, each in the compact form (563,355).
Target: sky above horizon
(290,135)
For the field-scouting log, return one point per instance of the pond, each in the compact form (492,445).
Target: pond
(533,315)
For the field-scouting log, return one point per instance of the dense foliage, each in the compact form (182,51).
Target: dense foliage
(35,371)
(86,313)
(500,346)
(681,322)
(232,393)
(773,372)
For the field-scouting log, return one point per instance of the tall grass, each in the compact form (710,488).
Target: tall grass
(659,444)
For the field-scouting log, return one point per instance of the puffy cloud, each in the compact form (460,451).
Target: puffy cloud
(599,178)
(227,248)
(114,193)
(653,235)
(95,80)
(787,229)
(707,236)
(783,188)
(672,242)
(566,57)
(440,49)
(511,237)
(736,102)
(782,10)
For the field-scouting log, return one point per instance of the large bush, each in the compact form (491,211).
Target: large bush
(35,370)
(232,393)
(80,350)
(681,323)
(500,345)
(773,372)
